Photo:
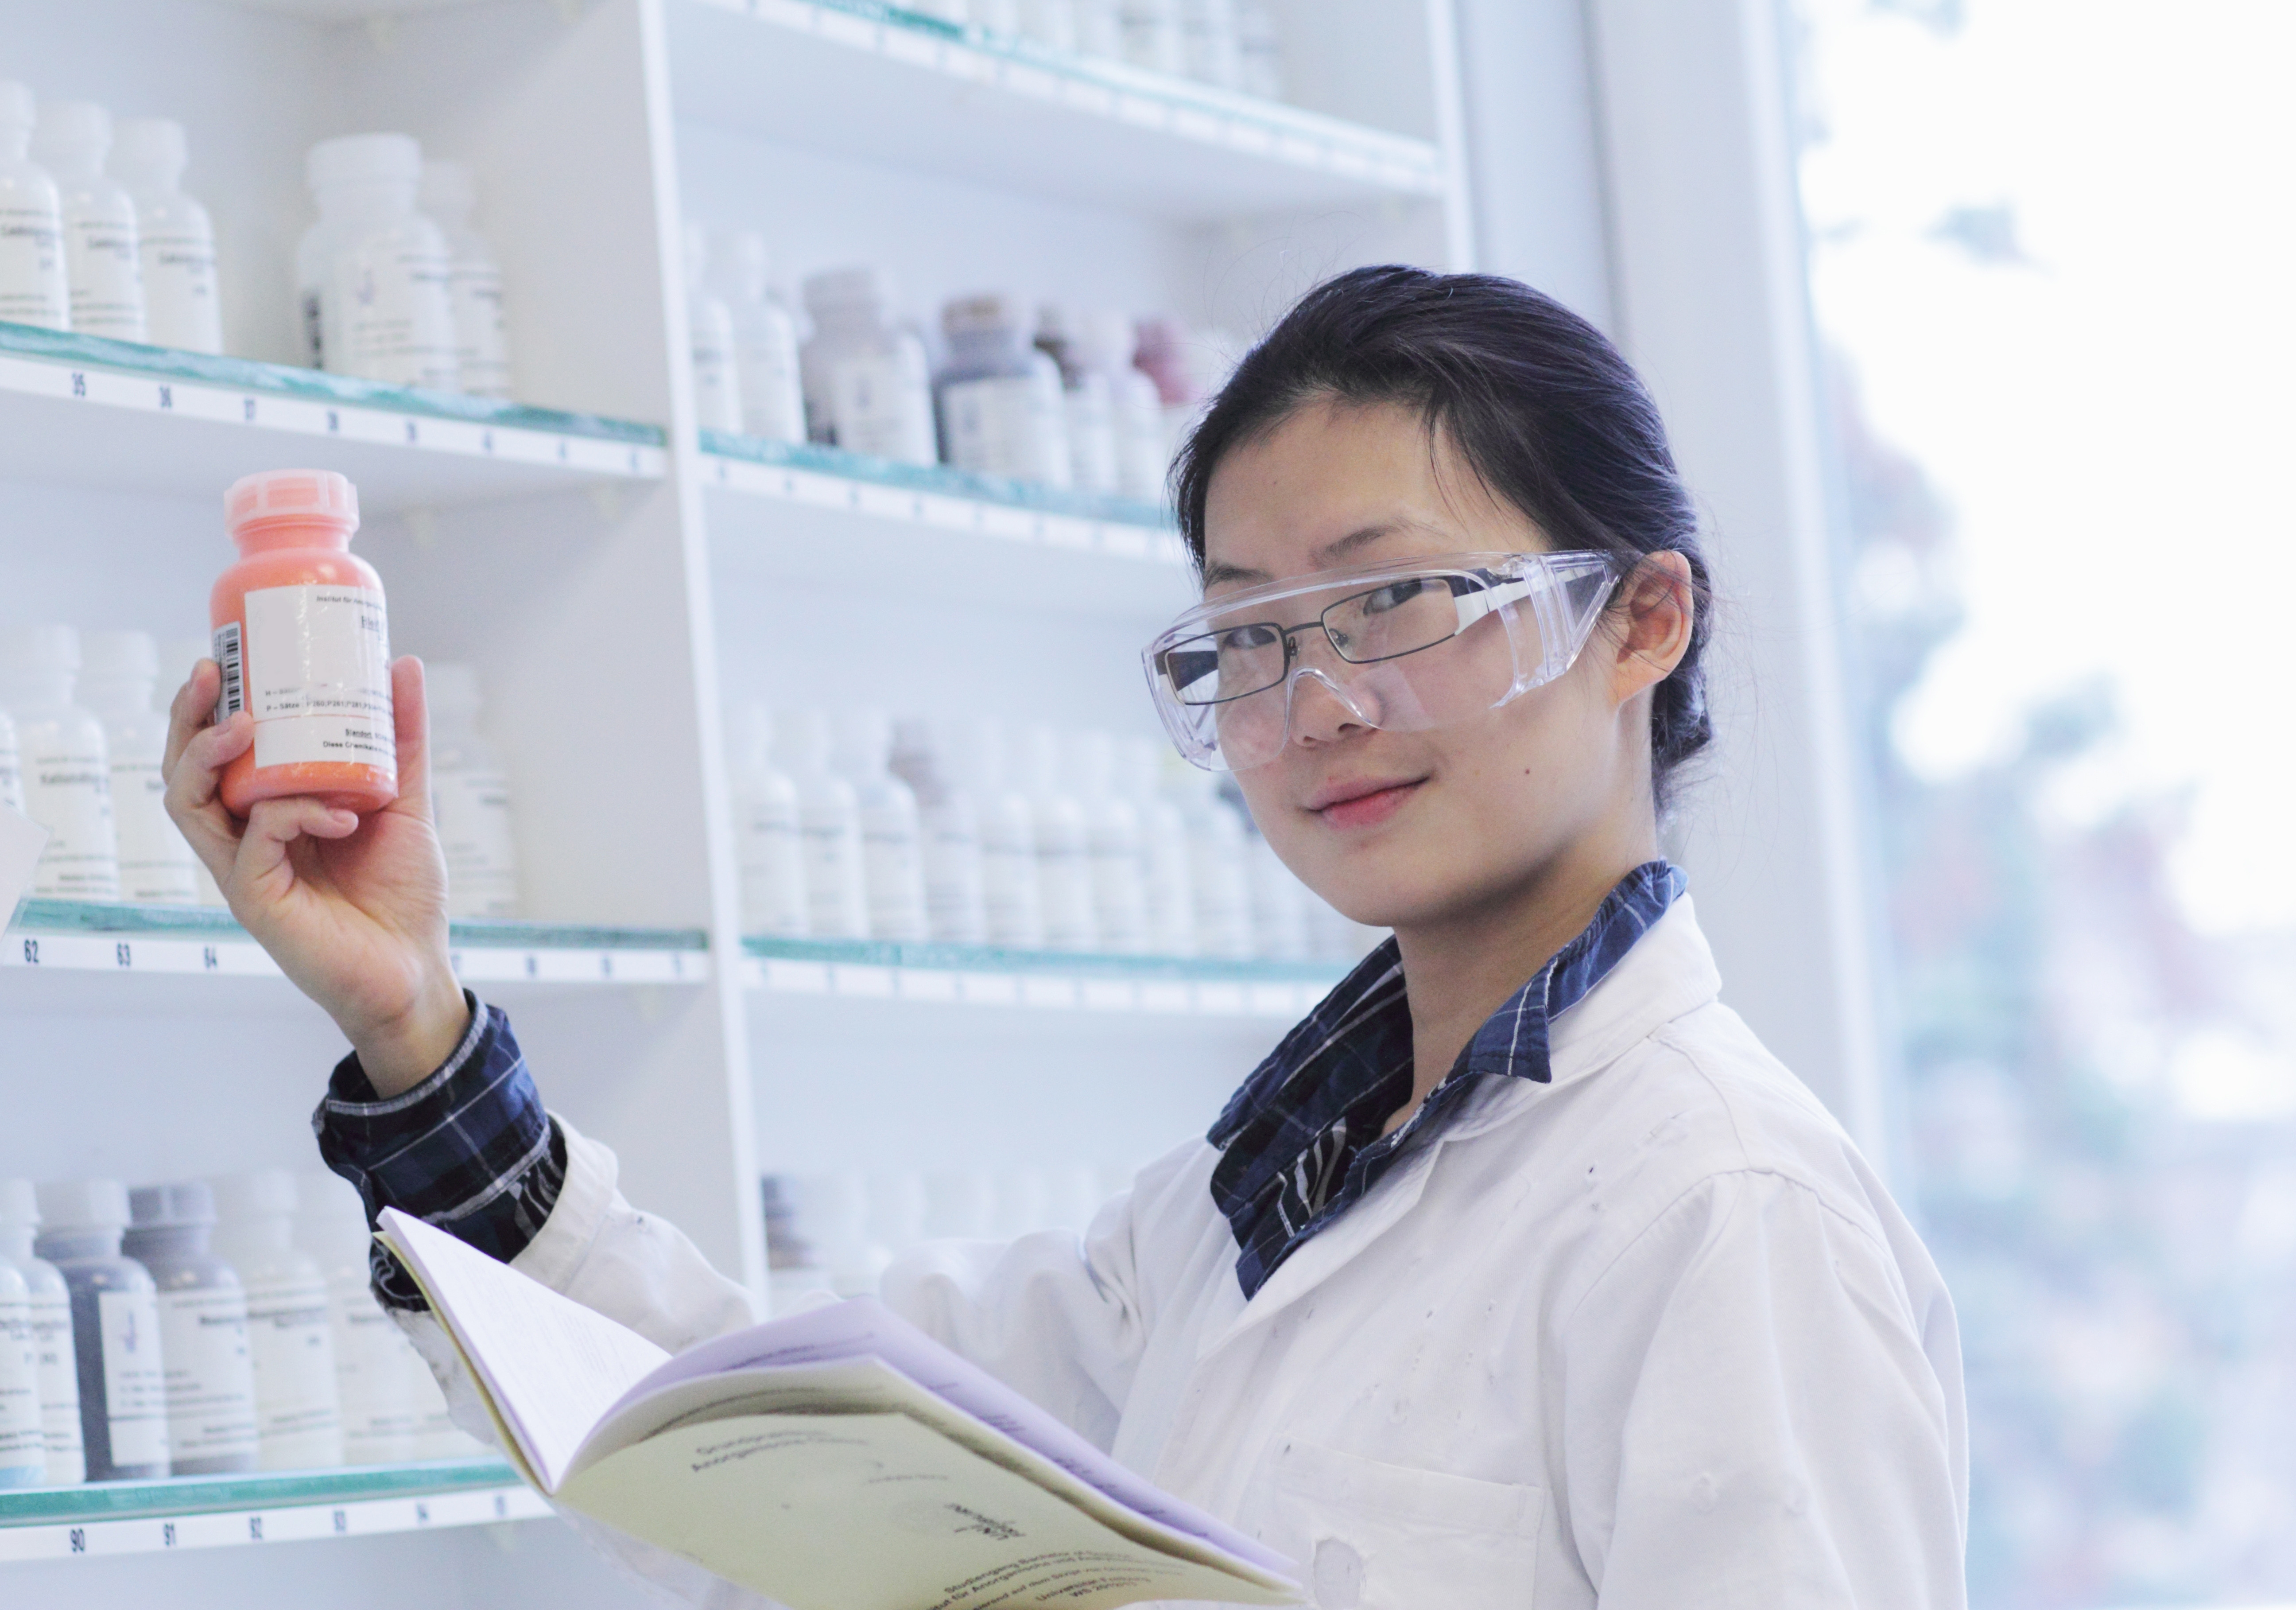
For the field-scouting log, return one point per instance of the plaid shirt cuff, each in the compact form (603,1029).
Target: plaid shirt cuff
(469,1149)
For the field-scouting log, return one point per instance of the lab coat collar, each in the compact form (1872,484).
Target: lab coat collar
(1670,972)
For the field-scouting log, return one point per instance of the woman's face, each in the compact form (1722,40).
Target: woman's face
(1408,828)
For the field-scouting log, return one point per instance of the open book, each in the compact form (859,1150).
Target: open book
(838,1459)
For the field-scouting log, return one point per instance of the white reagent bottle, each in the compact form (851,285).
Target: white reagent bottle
(23,1441)
(299,1420)
(470,799)
(868,388)
(1002,410)
(175,239)
(1088,404)
(1063,845)
(33,286)
(377,1370)
(67,769)
(56,1361)
(892,853)
(11,765)
(115,1311)
(119,672)
(474,281)
(1164,871)
(1119,899)
(1051,23)
(103,260)
(1100,28)
(1011,891)
(1136,407)
(829,819)
(1152,35)
(955,909)
(768,840)
(178,656)
(203,1329)
(716,372)
(1219,874)
(764,339)
(374,271)
(1209,43)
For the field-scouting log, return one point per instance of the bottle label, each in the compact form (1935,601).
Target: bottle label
(1008,888)
(135,1386)
(181,308)
(1092,437)
(33,290)
(471,809)
(313,667)
(772,399)
(773,865)
(953,878)
(58,1370)
(373,1370)
(12,771)
(717,387)
(393,315)
(210,1382)
(1010,425)
(835,904)
(155,860)
(23,1443)
(68,791)
(474,290)
(106,272)
(298,1417)
(882,404)
(893,873)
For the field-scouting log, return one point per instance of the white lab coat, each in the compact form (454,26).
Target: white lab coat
(1649,1337)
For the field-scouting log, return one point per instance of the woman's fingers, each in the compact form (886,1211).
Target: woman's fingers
(193,709)
(410,712)
(264,870)
(194,769)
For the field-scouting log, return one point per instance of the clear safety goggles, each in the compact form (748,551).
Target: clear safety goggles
(1404,647)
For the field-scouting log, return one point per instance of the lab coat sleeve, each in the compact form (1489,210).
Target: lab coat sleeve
(1055,1317)
(1751,1418)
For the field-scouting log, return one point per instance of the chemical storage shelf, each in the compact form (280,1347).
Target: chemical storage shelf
(863,79)
(987,976)
(83,410)
(208,1512)
(87,936)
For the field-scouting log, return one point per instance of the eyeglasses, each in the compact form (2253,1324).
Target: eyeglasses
(1408,646)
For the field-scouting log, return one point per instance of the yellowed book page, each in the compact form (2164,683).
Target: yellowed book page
(876,1512)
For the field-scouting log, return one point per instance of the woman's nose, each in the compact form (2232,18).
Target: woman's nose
(1322,711)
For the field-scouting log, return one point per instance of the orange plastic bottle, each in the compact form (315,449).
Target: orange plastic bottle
(303,641)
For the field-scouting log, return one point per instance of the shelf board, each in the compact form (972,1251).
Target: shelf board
(877,970)
(186,422)
(84,936)
(207,1512)
(859,78)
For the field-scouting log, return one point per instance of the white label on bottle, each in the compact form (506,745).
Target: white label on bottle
(717,386)
(474,291)
(772,399)
(135,1386)
(836,906)
(471,809)
(68,791)
(23,1443)
(59,1367)
(882,403)
(893,873)
(211,1389)
(773,863)
(12,770)
(392,315)
(1007,425)
(299,1420)
(1092,437)
(155,860)
(33,290)
(378,1407)
(318,676)
(105,271)
(181,308)
(954,899)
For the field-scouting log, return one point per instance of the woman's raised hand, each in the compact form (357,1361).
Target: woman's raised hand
(353,910)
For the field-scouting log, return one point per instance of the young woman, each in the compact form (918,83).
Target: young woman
(1519,1274)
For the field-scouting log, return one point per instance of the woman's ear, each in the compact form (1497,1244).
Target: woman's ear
(1656,610)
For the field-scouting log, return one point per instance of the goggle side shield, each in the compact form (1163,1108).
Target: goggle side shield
(1403,647)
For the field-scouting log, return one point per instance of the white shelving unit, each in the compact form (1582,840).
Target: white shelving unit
(622,584)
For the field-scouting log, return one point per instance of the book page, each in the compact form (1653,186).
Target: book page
(876,1512)
(550,1368)
(864,1328)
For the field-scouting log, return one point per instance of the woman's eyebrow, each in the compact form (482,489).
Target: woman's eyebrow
(1219,573)
(1332,552)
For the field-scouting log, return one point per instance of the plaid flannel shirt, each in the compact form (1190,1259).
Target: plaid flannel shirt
(469,1149)
(1301,1142)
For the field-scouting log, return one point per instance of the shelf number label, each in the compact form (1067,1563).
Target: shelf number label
(31,953)
(247,410)
(342,1521)
(533,965)
(79,1540)
(412,435)
(502,1507)
(335,422)
(208,959)
(168,1535)
(486,441)
(166,396)
(122,955)
(254,1528)
(78,383)
(421,1515)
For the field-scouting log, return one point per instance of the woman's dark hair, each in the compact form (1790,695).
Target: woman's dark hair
(1534,399)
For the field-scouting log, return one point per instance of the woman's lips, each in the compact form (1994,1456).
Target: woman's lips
(1368,809)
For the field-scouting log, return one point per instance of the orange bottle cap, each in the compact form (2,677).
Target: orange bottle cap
(302,496)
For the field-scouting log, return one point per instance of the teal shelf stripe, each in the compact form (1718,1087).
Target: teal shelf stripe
(988,959)
(205,922)
(311,385)
(938,479)
(279,1490)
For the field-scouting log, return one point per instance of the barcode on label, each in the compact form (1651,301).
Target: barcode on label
(233,697)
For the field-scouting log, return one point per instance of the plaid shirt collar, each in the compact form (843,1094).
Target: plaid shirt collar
(1301,1142)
